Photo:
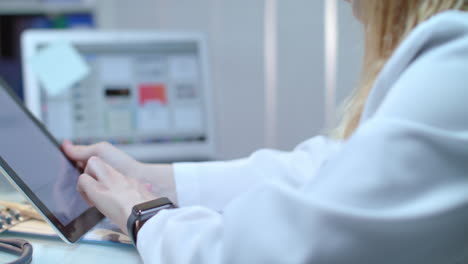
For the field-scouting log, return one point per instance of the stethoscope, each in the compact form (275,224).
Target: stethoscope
(18,247)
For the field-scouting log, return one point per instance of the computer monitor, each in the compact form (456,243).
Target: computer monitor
(148,93)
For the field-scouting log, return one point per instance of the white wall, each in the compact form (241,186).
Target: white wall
(350,51)
(235,32)
(300,71)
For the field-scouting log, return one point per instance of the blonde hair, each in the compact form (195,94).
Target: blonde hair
(386,23)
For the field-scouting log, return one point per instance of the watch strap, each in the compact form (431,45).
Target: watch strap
(131,227)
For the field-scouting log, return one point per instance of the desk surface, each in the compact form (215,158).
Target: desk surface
(54,250)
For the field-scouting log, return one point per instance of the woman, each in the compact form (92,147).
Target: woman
(392,188)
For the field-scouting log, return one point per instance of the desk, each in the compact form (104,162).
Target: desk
(55,251)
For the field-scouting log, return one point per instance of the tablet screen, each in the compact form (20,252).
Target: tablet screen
(38,162)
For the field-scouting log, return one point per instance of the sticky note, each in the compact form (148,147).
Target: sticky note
(58,67)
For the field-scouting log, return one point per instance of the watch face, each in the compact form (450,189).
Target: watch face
(140,209)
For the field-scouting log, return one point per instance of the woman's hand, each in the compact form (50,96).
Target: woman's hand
(113,193)
(160,177)
(107,152)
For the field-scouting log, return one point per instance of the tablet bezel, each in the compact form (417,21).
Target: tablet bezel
(73,231)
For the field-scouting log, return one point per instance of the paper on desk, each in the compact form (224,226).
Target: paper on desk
(58,67)
(102,232)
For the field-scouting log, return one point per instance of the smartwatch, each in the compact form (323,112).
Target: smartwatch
(144,211)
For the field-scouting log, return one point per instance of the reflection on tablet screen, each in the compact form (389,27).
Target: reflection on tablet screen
(38,162)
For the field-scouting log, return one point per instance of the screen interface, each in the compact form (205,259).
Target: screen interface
(134,94)
(38,162)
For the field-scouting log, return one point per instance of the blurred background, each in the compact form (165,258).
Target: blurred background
(279,69)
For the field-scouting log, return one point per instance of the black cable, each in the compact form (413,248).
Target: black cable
(18,247)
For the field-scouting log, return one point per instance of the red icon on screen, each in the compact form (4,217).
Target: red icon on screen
(152,92)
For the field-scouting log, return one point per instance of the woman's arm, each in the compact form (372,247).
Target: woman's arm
(396,193)
(215,184)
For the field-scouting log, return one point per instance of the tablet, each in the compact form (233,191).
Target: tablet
(31,159)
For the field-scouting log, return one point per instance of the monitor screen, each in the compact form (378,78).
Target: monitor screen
(139,93)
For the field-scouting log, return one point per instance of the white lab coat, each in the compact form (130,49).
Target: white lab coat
(395,192)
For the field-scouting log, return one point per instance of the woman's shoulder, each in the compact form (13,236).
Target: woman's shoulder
(451,17)
(441,29)
(443,37)
(444,33)
(438,32)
